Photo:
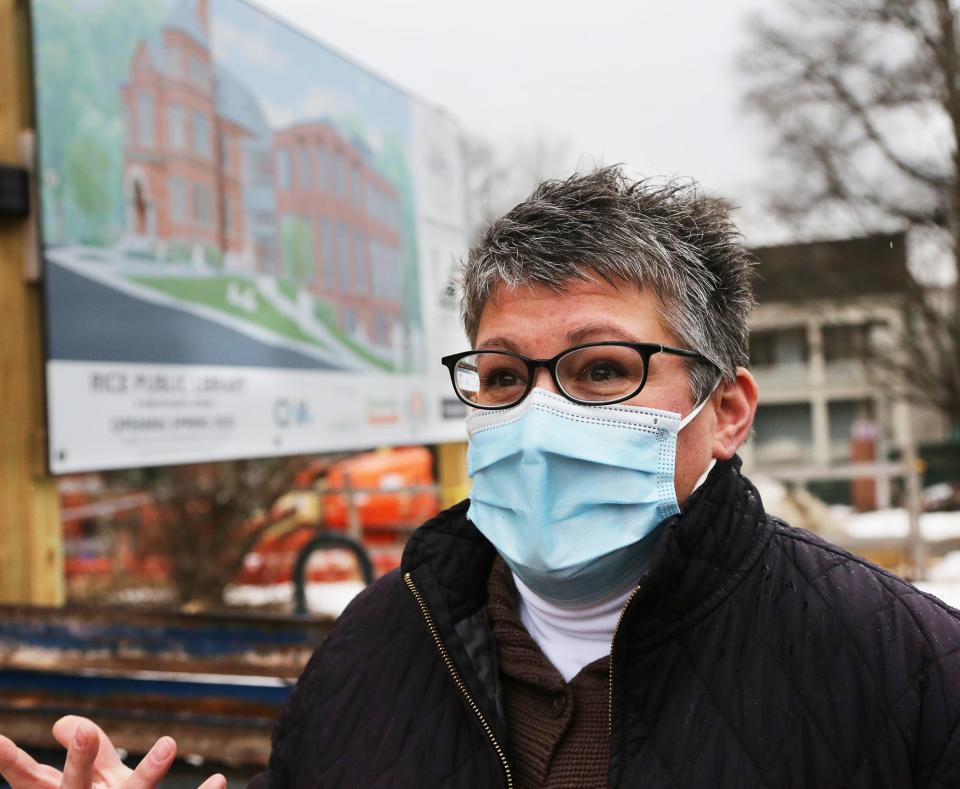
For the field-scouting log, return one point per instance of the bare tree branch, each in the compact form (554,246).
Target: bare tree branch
(863,100)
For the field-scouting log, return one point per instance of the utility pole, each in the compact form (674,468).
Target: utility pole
(31,538)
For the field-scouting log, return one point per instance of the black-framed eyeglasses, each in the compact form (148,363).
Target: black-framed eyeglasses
(597,373)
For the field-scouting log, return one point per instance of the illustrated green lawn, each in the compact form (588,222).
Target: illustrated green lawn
(325,315)
(212,292)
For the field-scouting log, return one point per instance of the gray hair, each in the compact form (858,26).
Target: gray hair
(666,236)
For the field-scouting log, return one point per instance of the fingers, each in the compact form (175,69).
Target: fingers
(21,771)
(148,774)
(153,766)
(78,770)
(89,750)
(107,764)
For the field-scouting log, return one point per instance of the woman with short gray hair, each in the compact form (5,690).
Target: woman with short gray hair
(613,606)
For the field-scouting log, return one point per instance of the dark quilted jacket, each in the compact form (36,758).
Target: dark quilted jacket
(754,655)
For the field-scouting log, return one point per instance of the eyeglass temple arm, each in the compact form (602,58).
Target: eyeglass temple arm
(682,352)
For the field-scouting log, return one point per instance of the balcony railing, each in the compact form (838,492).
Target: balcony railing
(798,377)
(782,377)
(845,372)
(781,452)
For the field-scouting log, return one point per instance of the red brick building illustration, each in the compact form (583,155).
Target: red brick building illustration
(352,214)
(206,178)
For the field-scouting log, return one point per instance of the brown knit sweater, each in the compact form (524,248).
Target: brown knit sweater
(559,736)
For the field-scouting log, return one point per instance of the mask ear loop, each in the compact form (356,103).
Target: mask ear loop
(693,414)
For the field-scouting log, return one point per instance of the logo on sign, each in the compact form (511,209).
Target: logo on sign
(291,413)
(451,408)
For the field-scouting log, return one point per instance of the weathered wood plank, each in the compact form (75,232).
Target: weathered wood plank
(31,538)
(215,682)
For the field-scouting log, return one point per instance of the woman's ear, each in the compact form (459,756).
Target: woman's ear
(735,405)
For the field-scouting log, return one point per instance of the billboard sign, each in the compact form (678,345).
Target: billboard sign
(248,240)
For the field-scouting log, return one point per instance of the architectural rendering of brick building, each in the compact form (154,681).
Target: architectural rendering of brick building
(205,175)
(182,168)
(351,214)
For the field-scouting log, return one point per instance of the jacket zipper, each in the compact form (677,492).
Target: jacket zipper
(616,630)
(455,675)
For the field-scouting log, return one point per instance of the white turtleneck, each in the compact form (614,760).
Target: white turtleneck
(573,637)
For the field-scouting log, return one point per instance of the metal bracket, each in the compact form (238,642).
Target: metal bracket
(32,258)
(14,191)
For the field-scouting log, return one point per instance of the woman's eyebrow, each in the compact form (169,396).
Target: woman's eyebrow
(605,330)
(499,343)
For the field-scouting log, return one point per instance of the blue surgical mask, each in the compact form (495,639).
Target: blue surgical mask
(571,495)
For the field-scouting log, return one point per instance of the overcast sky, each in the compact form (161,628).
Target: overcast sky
(649,83)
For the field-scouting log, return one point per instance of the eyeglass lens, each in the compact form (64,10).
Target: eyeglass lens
(595,374)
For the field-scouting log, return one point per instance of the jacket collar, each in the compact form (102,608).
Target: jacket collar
(450,553)
(448,561)
(703,554)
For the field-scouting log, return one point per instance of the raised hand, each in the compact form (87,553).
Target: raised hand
(92,762)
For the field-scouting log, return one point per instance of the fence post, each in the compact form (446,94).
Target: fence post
(918,545)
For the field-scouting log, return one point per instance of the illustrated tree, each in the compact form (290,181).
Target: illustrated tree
(862,98)
(296,238)
(392,162)
(85,162)
(83,52)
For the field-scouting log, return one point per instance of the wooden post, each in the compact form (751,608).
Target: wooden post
(31,537)
(452,469)
(914,502)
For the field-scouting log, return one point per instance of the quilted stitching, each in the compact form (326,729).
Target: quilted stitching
(756,656)
(367,712)
(829,652)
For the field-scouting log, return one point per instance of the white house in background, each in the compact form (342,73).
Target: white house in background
(818,305)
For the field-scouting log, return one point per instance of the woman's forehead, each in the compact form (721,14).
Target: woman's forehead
(584,311)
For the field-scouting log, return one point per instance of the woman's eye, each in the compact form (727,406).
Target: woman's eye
(502,378)
(602,371)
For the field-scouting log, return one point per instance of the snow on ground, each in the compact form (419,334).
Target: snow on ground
(895,523)
(947,569)
(947,591)
(943,575)
(324,599)
(943,579)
